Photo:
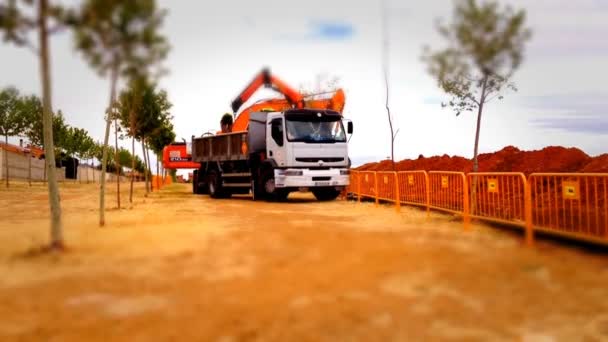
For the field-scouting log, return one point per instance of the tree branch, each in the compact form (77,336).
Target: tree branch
(468,96)
(497,94)
(30,47)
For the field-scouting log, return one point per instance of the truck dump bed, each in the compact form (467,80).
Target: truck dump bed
(221,147)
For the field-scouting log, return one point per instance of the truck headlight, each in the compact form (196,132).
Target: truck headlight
(344,172)
(294,173)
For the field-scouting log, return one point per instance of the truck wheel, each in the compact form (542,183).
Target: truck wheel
(195,182)
(326,194)
(215,184)
(270,191)
(256,193)
(199,186)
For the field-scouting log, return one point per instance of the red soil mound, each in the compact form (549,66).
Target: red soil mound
(509,159)
(597,164)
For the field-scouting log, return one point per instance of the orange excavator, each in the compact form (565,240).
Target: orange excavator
(177,156)
(293,99)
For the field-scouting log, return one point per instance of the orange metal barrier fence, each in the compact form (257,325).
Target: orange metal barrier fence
(569,204)
(413,188)
(498,197)
(448,192)
(366,186)
(387,186)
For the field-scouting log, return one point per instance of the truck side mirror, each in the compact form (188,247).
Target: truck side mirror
(349,127)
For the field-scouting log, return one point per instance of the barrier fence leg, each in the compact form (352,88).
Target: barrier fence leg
(466,204)
(376,188)
(397,196)
(359,188)
(428,195)
(528,214)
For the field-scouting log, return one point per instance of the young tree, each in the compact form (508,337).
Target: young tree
(118,36)
(132,115)
(85,151)
(34,131)
(385,69)
(17,20)
(485,48)
(160,138)
(130,111)
(116,157)
(76,140)
(12,122)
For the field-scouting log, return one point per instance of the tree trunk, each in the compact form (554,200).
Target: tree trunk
(385,68)
(158,183)
(47,124)
(132,169)
(481,101)
(117,163)
(6,158)
(143,150)
(104,158)
(147,151)
(74,165)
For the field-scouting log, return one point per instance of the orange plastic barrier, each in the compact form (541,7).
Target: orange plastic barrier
(414,188)
(159,181)
(571,204)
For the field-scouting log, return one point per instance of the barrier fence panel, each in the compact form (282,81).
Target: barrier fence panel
(498,196)
(571,204)
(447,191)
(413,187)
(367,184)
(351,188)
(387,186)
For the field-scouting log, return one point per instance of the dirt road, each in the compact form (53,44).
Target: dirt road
(179,267)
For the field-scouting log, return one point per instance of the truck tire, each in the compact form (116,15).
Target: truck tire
(271,193)
(325,194)
(195,182)
(214,184)
(256,193)
(198,187)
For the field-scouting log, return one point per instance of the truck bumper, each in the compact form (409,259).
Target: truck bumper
(305,178)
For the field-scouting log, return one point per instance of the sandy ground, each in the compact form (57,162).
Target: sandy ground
(180,267)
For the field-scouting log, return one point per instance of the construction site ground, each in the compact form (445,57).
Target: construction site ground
(179,267)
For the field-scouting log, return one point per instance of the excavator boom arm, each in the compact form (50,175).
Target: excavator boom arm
(264,78)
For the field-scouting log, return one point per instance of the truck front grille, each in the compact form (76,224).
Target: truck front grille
(320,179)
(316,160)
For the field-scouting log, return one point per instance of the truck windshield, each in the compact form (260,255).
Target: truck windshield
(327,130)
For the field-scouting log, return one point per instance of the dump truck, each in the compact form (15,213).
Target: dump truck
(277,146)
(281,152)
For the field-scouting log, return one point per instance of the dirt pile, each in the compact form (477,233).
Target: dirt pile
(509,159)
(597,164)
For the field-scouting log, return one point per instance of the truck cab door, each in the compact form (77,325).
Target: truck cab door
(275,144)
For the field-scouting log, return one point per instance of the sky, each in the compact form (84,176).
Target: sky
(219,46)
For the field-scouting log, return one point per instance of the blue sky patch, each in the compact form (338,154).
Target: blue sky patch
(332,30)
